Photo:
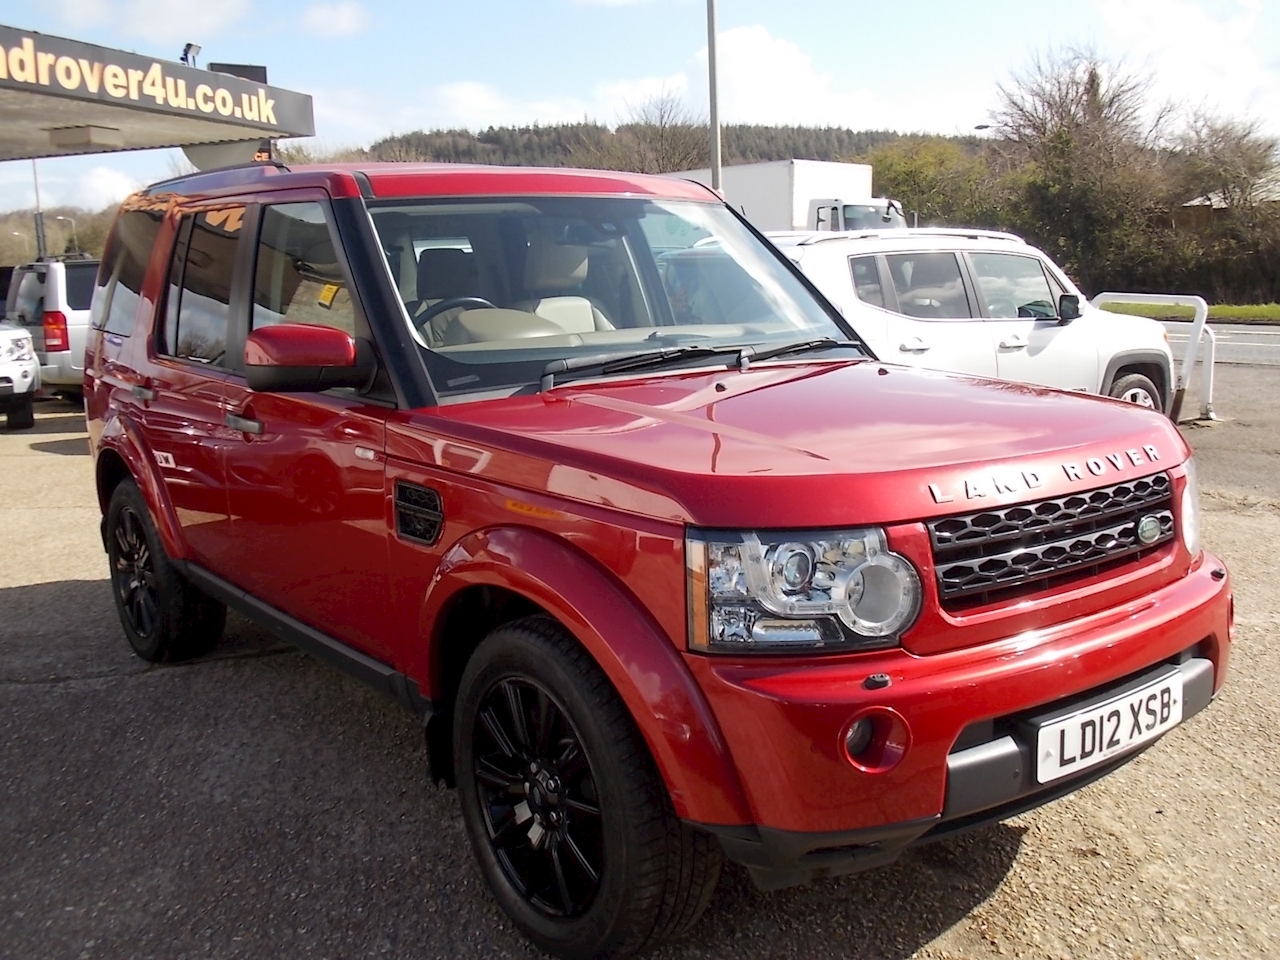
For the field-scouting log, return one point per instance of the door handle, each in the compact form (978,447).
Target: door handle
(914,345)
(1015,341)
(243,424)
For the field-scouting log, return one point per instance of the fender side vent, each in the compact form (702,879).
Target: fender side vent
(419,513)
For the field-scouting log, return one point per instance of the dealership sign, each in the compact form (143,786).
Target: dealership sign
(41,64)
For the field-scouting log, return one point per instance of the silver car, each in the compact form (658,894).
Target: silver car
(51,298)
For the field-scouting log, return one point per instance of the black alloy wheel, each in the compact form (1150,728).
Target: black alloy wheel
(541,806)
(134,573)
(163,615)
(569,819)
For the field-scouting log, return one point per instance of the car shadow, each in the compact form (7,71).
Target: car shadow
(58,417)
(70,447)
(262,784)
(888,913)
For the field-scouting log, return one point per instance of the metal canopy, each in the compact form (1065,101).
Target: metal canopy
(61,97)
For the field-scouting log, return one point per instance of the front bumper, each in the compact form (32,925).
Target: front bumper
(968,756)
(19,380)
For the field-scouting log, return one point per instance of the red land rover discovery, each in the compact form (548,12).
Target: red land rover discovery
(578,468)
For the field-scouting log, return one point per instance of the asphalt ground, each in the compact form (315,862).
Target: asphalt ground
(257,803)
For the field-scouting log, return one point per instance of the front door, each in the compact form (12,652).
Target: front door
(305,476)
(1031,344)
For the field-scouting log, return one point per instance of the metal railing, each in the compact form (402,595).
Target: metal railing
(1200,331)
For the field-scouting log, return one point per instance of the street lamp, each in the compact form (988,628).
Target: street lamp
(711,83)
(19,233)
(75,241)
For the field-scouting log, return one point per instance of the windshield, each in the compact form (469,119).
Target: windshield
(872,216)
(496,289)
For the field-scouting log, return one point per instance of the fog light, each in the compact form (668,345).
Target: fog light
(859,736)
(876,740)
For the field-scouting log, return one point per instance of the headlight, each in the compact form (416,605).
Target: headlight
(774,592)
(18,348)
(1190,512)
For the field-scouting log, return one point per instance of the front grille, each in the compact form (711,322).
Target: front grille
(994,555)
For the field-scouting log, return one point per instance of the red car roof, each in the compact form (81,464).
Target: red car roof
(390,180)
(454,179)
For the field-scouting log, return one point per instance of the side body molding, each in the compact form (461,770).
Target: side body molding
(637,656)
(122,437)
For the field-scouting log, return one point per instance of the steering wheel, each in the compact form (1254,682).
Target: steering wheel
(449,303)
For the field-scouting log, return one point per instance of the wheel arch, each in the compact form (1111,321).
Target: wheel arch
(497,575)
(123,454)
(1152,364)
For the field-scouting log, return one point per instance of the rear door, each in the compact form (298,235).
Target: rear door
(26,303)
(934,321)
(1020,303)
(306,471)
(80,276)
(189,382)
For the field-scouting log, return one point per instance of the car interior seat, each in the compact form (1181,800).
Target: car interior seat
(443,274)
(552,272)
(936,290)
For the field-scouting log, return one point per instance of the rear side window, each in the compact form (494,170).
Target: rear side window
(866,280)
(297,277)
(115,298)
(929,286)
(28,299)
(198,300)
(80,277)
(1013,286)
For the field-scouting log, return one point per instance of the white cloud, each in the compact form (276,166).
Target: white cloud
(1200,56)
(98,188)
(161,21)
(65,183)
(343,19)
(83,13)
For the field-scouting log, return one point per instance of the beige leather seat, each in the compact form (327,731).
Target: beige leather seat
(443,274)
(555,269)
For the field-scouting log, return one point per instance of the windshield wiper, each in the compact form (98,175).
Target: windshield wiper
(742,357)
(750,354)
(607,363)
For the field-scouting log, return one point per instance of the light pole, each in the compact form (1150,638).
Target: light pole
(75,241)
(19,233)
(711,82)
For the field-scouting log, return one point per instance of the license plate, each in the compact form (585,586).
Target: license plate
(1095,734)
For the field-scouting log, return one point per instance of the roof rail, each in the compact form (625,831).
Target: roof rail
(221,176)
(973,233)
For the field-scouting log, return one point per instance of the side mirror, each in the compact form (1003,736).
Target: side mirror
(305,357)
(1068,307)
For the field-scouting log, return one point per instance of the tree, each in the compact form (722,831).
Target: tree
(1230,162)
(940,179)
(660,136)
(1083,154)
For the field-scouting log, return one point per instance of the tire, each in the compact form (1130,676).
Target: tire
(21,418)
(165,618)
(1137,389)
(567,791)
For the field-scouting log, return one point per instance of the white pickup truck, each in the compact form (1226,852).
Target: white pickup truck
(984,303)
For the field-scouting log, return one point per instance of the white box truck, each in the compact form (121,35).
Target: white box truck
(803,195)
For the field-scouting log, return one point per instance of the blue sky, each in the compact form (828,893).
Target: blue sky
(392,66)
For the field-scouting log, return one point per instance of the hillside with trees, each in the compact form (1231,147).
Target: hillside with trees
(1078,159)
